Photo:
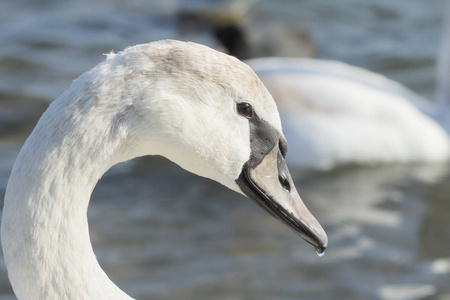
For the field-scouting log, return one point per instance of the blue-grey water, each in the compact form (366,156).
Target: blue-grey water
(161,233)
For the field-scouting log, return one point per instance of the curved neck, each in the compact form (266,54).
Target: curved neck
(45,235)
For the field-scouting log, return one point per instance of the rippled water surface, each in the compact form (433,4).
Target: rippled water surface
(161,233)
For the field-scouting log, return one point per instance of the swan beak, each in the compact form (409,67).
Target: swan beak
(270,185)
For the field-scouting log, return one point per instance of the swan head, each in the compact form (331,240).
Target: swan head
(209,113)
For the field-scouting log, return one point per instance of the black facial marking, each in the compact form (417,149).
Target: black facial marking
(263,138)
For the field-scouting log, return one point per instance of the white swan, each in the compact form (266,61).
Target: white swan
(202,109)
(335,114)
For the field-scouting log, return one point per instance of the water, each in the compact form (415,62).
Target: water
(161,233)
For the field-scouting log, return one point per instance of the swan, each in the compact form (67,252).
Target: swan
(337,114)
(202,109)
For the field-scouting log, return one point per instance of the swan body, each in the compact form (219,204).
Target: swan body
(336,114)
(204,110)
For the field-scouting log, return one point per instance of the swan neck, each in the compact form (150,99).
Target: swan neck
(45,234)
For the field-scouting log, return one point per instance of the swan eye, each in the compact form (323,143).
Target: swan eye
(245,109)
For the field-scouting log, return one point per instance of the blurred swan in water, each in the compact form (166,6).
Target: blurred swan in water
(335,114)
(202,109)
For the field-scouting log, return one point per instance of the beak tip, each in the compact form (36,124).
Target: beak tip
(317,237)
(320,249)
(321,243)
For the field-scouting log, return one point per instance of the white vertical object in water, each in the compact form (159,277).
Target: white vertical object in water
(443,71)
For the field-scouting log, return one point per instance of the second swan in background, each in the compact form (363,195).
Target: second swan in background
(336,114)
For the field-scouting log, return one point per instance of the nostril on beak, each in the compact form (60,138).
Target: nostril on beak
(284,182)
